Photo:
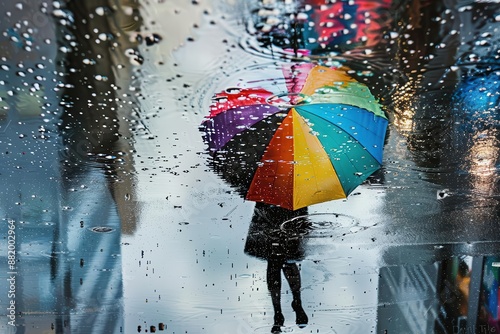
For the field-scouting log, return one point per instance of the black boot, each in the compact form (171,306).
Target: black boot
(279,320)
(301,318)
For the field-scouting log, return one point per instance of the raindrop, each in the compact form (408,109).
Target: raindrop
(64,49)
(152,39)
(441,194)
(99,77)
(464,8)
(100,11)
(233,90)
(482,42)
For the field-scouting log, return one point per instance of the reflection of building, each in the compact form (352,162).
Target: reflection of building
(447,110)
(447,115)
(29,169)
(68,276)
(489,298)
(68,211)
(97,97)
(407,299)
(440,292)
(86,259)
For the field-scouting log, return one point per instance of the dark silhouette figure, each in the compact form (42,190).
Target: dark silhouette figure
(281,247)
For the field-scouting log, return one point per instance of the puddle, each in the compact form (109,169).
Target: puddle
(294,329)
(322,225)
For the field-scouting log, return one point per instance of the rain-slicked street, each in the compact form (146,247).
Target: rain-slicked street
(115,216)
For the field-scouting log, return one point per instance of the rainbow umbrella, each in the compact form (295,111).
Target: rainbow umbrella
(314,143)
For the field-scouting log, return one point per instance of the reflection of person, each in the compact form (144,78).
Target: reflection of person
(266,240)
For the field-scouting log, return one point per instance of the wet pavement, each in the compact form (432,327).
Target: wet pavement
(114,222)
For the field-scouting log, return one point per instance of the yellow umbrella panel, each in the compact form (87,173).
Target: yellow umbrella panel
(295,170)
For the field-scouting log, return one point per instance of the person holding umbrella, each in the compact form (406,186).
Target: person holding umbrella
(282,250)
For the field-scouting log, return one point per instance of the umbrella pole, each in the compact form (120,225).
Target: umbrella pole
(295,36)
(271,45)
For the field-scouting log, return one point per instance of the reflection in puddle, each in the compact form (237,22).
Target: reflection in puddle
(456,294)
(310,29)
(419,254)
(294,330)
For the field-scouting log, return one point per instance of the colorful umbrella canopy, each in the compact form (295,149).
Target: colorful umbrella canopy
(314,143)
(344,25)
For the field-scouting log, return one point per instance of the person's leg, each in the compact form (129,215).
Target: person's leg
(274,286)
(292,275)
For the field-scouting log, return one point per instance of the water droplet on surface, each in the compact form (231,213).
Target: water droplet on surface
(100,11)
(442,194)
(102,229)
